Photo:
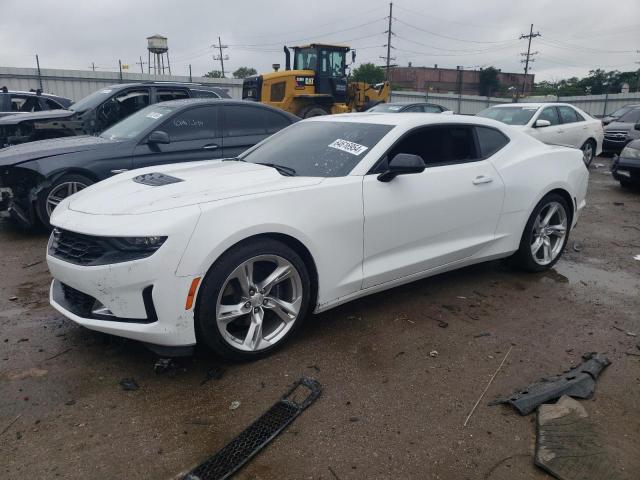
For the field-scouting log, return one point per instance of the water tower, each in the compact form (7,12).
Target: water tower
(157,45)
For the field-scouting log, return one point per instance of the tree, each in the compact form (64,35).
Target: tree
(213,74)
(489,82)
(369,73)
(244,72)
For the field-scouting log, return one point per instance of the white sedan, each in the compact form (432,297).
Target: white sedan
(553,123)
(236,253)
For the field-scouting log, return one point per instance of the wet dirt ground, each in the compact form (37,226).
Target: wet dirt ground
(389,408)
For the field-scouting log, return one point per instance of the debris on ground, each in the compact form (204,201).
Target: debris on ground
(13,298)
(234,405)
(618,204)
(213,373)
(5,429)
(59,353)
(577,246)
(433,353)
(443,324)
(567,445)
(129,384)
(28,373)
(628,333)
(599,165)
(482,334)
(32,264)
(164,365)
(315,367)
(487,387)
(579,382)
(254,438)
(637,257)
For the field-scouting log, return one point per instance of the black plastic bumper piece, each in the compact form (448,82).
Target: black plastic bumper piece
(245,446)
(579,382)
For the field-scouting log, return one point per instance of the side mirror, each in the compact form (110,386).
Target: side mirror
(158,136)
(541,123)
(402,164)
(637,126)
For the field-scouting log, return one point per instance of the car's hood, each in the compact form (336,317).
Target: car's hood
(26,152)
(198,182)
(43,115)
(619,126)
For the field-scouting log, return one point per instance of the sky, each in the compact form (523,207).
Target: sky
(575,35)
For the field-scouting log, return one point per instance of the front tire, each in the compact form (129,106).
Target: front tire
(63,187)
(545,234)
(252,300)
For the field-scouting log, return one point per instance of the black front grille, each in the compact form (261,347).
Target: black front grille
(76,247)
(78,302)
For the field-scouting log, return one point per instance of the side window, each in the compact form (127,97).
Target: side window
(551,114)
(432,109)
(568,114)
(439,145)
(414,108)
(121,106)
(203,94)
(164,95)
(52,105)
(25,103)
(490,140)
(243,120)
(194,124)
(274,121)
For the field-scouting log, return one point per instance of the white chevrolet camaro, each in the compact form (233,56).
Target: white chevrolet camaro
(553,123)
(236,253)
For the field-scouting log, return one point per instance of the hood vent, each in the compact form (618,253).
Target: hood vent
(156,179)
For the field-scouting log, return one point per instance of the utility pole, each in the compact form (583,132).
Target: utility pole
(638,79)
(39,74)
(190,77)
(389,32)
(120,68)
(141,63)
(93,66)
(528,56)
(220,57)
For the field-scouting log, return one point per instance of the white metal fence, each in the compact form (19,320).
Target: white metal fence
(595,105)
(76,84)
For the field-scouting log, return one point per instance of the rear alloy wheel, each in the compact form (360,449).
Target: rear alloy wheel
(252,300)
(588,152)
(545,234)
(62,188)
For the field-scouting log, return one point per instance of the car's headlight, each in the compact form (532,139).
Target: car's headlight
(628,152)
(138,243)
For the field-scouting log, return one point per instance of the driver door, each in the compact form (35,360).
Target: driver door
(421,221)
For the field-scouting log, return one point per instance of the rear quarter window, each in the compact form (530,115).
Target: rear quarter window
(490,140)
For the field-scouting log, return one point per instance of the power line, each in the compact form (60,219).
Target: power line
(527,56)
(448,37)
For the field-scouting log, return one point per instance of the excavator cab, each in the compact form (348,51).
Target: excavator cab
(329,64)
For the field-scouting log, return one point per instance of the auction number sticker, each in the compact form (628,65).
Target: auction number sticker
(347,146)
(154,115)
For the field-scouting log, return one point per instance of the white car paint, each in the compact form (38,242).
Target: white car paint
(363,235)
(569,134)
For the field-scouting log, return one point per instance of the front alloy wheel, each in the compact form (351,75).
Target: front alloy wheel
(253,298)
(61,191)
(588,152)
(259,302)
(549,232)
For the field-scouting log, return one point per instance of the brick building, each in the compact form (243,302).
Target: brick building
(452,80)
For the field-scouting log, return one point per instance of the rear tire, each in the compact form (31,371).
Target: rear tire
(544,239)
(312,111)
(589,151)
(60,189)
(241,316)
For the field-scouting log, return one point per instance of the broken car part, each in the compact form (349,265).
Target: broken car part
(245,446)
(579,382)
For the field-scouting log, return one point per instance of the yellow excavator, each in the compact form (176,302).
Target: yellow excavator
(317,84)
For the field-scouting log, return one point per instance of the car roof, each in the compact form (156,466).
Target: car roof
(35,94)
(533,104)
(410,103)
(187,102)
(408,119)
(164,84)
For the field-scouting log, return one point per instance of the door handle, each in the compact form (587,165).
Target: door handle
(211,146)
(121,170)
(480,179)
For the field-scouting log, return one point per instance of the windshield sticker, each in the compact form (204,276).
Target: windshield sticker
(154,115)
(347,146)
(105,91)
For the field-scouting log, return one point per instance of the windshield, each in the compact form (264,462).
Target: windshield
(619,112)
(319,149)
(385,107)
(92,100)
(306,59)
(632,116)
(509,115)
(134,124)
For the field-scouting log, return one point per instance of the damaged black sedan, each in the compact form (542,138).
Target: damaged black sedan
(36,176)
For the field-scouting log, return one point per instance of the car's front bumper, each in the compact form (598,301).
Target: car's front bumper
(626,170)
(143,299)
(614,146)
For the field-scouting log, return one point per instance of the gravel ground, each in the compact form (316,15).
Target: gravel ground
(389,408)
